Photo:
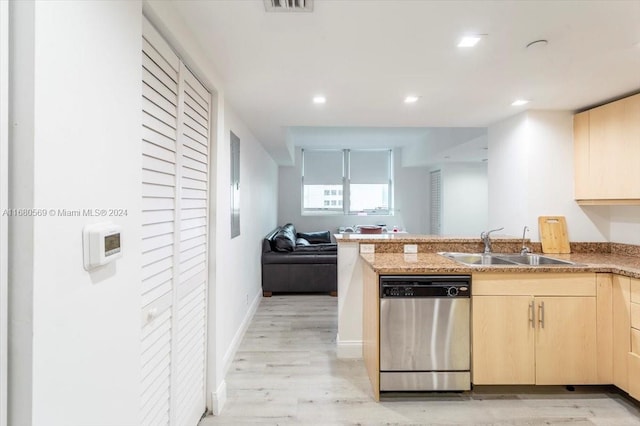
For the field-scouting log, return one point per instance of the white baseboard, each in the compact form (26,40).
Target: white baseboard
(348,348)
(219,398)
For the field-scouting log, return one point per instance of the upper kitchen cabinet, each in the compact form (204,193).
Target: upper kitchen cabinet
(607,152)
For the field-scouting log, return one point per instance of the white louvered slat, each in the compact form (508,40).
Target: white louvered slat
(196,222)
(194,242)
(193,183)
(191,213)
(193,164)
(194,125)
(157,229)
(193,114)
(202,96)
(157,74)
(159,84)
(157,216)
(157,178)
(194,154)
(156,267)
(196,146)
(151,136)
(167,66)
(152,122)
(195,106)
(194,174)
(159,152)
(195,136)
(158,191)
(152,203)
(156,241)
(175,167)
(194,194)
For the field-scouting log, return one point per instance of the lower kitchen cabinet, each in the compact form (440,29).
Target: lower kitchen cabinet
(621,302)
(523,336)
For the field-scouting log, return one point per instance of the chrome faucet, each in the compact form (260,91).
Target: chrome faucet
(525,250)
(485,237)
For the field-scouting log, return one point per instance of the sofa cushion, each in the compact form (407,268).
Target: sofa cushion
(316,237)
(285,239)
(302,242)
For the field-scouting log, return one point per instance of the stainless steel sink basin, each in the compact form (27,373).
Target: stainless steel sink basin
(504,259)
(534,259)
(477,259)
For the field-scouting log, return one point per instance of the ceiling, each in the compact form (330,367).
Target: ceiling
(366,56)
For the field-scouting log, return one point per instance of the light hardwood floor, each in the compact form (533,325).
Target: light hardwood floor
(286,373)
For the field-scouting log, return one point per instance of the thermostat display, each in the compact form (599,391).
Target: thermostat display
(101,243)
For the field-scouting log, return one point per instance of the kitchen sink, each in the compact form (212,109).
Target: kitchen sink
(477,259)
(534,259)
(504,259)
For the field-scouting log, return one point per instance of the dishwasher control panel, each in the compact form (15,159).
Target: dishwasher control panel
(425,286)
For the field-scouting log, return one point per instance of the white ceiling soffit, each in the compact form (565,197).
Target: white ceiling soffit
(366,56)
(288,5)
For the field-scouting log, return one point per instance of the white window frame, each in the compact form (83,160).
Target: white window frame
(345,208)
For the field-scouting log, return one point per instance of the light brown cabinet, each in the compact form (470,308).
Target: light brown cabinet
(529,329)
(606,153)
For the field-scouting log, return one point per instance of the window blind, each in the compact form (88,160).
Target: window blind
(370,167)
(322,167)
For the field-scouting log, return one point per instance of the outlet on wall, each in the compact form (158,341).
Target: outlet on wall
(410,248)
(367,248)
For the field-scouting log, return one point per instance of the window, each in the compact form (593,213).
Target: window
(347,181)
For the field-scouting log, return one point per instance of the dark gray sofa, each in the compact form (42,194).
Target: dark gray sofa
(299,262)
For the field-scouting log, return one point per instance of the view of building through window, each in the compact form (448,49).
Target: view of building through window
(347,181)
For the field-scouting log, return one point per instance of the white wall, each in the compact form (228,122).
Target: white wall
(411,200)
(531,174)
(465,205)
(238,272)
(625,224)
(76,144)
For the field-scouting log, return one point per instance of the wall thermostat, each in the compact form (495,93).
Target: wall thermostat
(101,243)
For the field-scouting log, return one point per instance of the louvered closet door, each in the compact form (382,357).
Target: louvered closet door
(192,256)
(174,270)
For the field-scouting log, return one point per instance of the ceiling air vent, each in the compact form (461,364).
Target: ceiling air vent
(288,5)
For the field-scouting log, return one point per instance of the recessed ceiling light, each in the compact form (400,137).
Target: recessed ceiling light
(411,99)
(519,102)
(469,41)
(319,99)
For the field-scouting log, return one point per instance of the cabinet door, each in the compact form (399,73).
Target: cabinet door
(566,344)
(614,149)
(634,375)
(621,303)
(503,340)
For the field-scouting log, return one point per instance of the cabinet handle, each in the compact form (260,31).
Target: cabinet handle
(532,314)
(541,314)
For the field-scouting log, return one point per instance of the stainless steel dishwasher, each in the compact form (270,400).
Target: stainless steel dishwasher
(425,333)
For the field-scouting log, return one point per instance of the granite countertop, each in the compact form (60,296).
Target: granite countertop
(433,263)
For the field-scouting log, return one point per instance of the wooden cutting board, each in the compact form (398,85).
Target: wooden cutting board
(553,234)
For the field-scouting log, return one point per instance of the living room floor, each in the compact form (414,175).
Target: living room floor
(286,373)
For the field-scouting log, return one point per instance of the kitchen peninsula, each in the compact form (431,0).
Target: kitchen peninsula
(592,307)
